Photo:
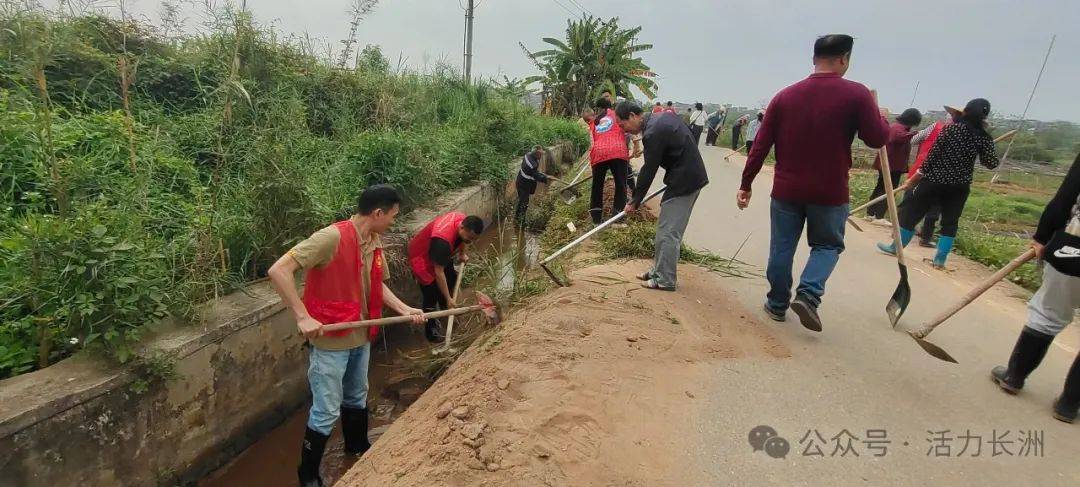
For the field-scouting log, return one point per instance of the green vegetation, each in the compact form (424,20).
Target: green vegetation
(143,174)
(595,55)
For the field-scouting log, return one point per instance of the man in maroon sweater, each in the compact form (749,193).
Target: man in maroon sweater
(812,124)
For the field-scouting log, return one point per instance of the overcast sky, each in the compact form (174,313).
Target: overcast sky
(743,52)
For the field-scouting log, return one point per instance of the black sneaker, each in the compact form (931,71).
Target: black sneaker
(807,313)
(773,314)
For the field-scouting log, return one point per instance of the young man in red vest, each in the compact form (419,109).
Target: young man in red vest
(344,282)
(431,257)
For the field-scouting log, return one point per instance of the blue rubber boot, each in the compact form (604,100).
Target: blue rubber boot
(944,246)
(905,237)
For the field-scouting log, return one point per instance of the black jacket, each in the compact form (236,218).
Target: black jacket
(1060,209)
(669,144)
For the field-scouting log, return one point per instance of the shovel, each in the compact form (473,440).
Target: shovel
(484,304)
(902,295)
(621,215)
(925,330)
(450,322)
(570,193)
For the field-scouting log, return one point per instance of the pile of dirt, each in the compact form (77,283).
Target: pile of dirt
(568,390)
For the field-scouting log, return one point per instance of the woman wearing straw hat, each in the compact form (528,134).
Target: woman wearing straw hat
(945,178)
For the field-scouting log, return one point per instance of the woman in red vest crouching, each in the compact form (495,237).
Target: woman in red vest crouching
(345,274)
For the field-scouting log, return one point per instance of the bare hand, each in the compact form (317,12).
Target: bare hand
(636,154)
(451,303)
(1038,249)
(884,112)
(742,198)
(417,315)
(309,327)
(630,209)
(463,257)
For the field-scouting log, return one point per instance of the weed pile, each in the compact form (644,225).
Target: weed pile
(144,173)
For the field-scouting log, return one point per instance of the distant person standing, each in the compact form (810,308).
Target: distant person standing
(812,124)
(898,147)
(657,108)
(752,129)
(736,131)
(945,178)
(609,152)
(670,107)
(697,121)
(525,185)
(668,144)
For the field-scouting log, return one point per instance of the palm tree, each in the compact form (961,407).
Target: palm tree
(596,55)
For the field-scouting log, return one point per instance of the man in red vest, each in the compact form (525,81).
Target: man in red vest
(431,257)
(345,274)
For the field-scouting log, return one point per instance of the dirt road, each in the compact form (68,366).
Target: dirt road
(600,384)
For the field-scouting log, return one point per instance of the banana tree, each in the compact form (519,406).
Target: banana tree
(595,55)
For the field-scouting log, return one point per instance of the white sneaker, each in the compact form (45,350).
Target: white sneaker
(881,222)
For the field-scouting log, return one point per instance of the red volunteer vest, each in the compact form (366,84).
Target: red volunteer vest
(444,227)
(332,294)
(608,140)
(924,148)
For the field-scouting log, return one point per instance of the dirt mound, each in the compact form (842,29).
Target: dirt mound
(569,390)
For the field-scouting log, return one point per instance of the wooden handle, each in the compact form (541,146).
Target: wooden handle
(871,202)
(974,293)
(891,198)
(1005,136)
(398,320)
(457,288)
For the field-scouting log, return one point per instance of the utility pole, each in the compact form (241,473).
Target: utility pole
(468,42)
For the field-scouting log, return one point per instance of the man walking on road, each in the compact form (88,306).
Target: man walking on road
(668,144)
(812,124)
(345,282)
(431,257)
(736,130)
(752,129)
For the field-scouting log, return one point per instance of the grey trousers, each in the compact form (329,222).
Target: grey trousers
(674,215)
(1051,308)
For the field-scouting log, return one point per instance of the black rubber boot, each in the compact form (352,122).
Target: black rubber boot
(1068,404)
(354,427)
(433,331)
(311,457)
(1027,354)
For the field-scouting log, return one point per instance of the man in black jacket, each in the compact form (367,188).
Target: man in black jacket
(1051,308)
(525,184)
(668,144)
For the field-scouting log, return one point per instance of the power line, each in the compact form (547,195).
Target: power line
(582,7)
(572,14)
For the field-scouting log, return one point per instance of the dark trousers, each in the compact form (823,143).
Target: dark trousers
(599,173)
(926,233)
(433,300)
(749,145)
(736,131)
(710,136)
(525,189)
(949,197)
(695,131)
(878,210)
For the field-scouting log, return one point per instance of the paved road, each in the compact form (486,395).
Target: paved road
(859,375)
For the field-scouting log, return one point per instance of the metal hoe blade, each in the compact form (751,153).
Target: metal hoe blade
(900,298)
(934,350)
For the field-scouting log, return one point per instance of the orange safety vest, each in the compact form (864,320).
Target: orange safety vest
(333,293)
(444,227)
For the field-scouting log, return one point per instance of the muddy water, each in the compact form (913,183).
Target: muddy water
(272,460)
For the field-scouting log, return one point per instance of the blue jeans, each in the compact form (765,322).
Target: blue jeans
(337,377)
(824,233)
